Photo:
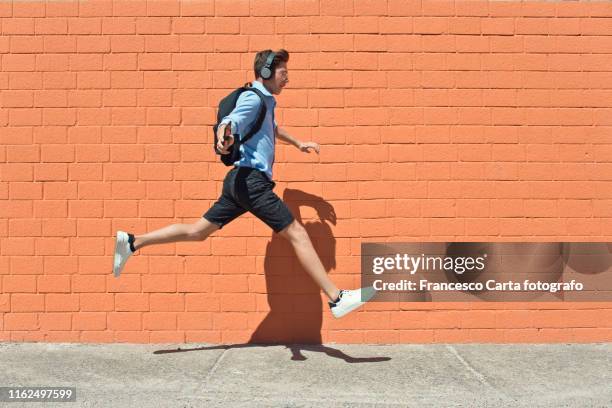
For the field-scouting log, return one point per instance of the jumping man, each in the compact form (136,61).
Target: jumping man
(248,186)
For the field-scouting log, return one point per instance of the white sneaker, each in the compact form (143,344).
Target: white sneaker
(351,300)
(122,252)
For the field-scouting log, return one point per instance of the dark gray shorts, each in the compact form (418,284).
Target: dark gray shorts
(247,189)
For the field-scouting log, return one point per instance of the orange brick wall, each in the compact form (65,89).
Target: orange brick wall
(438,120)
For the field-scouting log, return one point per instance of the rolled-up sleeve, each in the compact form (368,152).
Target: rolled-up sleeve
(244,114)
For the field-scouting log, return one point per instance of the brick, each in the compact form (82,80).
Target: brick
(53,284)
(131,336)
(102,336)
(20,26)
(131,8)
(230,284)
(235,8)
(51,98)
(302,7)
(61,302)
(336,8)
(88,283)
(230,321)
(222,25)
(19,63)
(194,283)
(19,284)
(195,321)
(100,8)
(167,302)
(201,302)
(27,302)
(120,62)
(267,8)
(25,265)
(25,191)
(256,25)
(62,336)
(124,320)
(159,283)
(27,9)
(167,336)
(85,26)
(159,321)
(205,336)
(85,208)
(163,8)
(132,302)
(197,8)
(96,302)
(89,321)
(243,302)
(21,321)
(55,321)
(228,246)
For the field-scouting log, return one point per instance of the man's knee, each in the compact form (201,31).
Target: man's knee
(201,229)
(294,232)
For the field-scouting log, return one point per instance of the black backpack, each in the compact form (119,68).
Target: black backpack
(226,106)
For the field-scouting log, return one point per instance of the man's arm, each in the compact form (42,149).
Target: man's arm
(286,137)
(239,120)
(244,113)
(303,146)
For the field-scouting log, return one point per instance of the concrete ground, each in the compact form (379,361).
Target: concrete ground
(199,375)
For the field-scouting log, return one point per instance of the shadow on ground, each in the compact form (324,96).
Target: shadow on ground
(296,351)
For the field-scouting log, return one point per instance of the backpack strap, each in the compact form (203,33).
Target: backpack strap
(260,115)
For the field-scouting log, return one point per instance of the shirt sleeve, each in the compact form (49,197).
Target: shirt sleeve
(244,114)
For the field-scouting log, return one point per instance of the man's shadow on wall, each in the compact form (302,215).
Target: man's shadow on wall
(295,315)
(293,297)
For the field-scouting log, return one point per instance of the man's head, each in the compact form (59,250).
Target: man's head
(279,77)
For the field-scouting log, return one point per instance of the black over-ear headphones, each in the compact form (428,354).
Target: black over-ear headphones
(266,70)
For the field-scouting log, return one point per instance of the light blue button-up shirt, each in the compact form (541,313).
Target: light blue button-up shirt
(258,151)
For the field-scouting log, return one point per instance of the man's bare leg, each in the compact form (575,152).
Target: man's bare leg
(308,257)
(197,231)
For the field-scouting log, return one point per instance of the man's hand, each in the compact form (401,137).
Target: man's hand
(305,147)
(224,138)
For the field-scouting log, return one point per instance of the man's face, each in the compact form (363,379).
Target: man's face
(281,76)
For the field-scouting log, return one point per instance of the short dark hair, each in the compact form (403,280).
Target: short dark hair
(261,57)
